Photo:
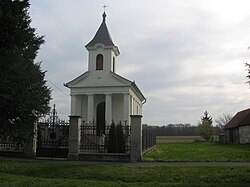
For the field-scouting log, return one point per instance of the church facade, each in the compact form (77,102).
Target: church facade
(100,96)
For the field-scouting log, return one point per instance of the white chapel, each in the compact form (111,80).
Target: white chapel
(100,96)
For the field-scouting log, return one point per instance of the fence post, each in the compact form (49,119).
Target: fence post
(31,142)
(136,138)
(74,137)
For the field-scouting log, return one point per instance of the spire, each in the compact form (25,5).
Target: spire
(104,14)
(104,17)
(102,35)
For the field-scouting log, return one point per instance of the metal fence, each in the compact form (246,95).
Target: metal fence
(53,139)
(11,146)
(53,135)
(148,139)
(91,142)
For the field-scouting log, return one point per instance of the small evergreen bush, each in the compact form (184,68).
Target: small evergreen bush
(112,139)
(116,142)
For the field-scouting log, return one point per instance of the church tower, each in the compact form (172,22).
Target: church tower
(102,50)
(100,96)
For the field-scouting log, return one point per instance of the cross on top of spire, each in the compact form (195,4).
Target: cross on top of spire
(104,14)
(104,7)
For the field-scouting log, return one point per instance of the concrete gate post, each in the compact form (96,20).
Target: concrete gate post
(31,143)
(136,138)
(74,137)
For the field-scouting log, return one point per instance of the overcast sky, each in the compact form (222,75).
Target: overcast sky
(186,56)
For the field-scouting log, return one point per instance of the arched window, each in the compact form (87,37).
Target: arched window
(99,62)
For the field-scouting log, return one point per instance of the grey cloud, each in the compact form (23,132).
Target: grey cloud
(179,53)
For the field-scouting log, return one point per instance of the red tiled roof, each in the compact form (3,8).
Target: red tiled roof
(240,119)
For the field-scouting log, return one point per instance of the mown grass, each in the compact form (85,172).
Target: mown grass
(200,151)
(20,173)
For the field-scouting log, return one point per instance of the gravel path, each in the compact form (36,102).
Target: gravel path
(190,164)
(64,161)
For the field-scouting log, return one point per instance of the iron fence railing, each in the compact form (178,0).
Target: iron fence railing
(94,142)
(11,146)
(148,139)
(53,135)
(53,144)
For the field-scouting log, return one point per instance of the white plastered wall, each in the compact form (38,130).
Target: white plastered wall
(108,55)
(118,108)
(135,104)
(244,133)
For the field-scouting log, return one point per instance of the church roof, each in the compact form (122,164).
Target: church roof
(114,81)
(102,35)
(133,84)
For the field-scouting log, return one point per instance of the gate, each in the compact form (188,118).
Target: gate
(53,138)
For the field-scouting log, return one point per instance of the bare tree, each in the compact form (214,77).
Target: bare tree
(223,120)
(248,72)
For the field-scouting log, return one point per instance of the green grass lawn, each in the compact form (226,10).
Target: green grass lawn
(20,173)
(200,151)
(46,173)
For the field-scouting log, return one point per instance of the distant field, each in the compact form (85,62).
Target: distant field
(199,151)
(172,139)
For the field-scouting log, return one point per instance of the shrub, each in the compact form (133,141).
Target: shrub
(116,142)
(112,139)
(205,127)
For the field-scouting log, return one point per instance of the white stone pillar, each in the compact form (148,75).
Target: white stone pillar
(90,116)
(76,107)
(126,107)
(108,109)
(73,105)
(132,105)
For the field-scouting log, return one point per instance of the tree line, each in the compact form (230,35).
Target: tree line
(205,127)
(179,130)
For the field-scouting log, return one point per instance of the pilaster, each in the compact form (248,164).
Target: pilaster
(90,115)
(75,109)
(126,105)
(108,109)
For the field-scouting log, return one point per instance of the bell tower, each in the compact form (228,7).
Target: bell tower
(100,95)
(102,50)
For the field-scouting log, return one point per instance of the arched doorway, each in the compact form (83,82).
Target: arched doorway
(100,119)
